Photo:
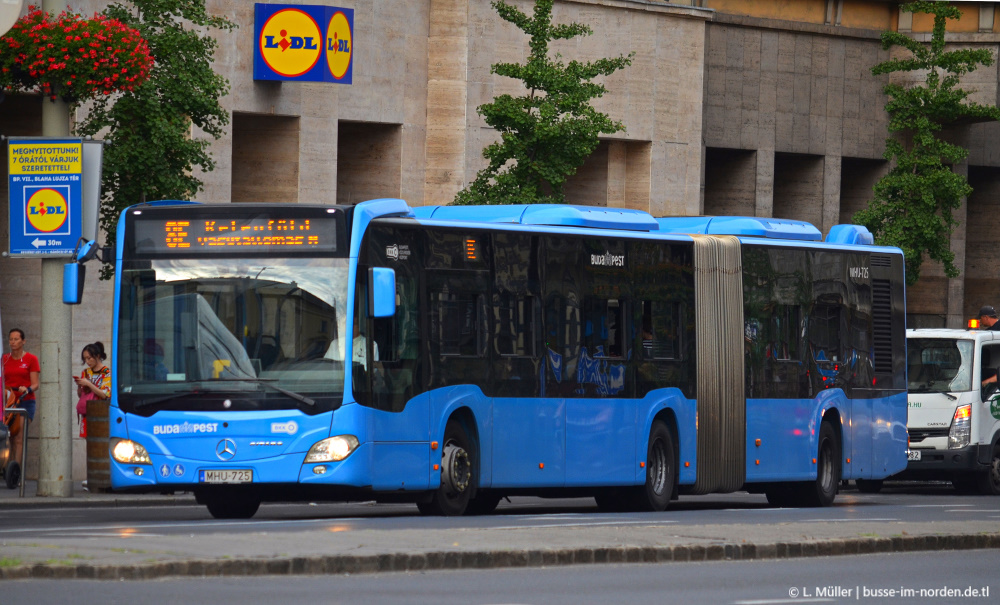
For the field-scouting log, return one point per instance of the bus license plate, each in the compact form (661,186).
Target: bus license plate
(242,475)
(913,455)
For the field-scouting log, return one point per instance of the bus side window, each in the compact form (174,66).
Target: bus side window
(458,323)
(784,344)
(660,336)
(604,327)
(516,325)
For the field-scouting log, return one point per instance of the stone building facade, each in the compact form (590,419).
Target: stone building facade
(748,107)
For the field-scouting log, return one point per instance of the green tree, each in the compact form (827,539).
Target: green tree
(153,154)
(912,205)
(549,132)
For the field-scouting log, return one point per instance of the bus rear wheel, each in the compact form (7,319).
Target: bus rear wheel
(661,473)
(823,490)
(458,479)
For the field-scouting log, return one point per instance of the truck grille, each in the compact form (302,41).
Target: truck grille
(918,435)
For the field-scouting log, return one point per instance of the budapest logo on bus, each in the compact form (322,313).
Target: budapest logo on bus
(290,42)
(47,210)
(339,45)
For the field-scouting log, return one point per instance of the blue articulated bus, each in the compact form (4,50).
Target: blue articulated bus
(452,356)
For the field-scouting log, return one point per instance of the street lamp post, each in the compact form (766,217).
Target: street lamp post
(55,468)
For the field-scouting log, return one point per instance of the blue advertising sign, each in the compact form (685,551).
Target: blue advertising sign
(45,196)
(303,43)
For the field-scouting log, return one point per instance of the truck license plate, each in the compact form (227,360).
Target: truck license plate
(912,455)
(241,475)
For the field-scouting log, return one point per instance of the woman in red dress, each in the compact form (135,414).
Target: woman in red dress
(20,374)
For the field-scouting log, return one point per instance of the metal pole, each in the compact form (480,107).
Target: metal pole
(24,452)
(55,410)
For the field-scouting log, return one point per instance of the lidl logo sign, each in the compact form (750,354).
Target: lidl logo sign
(339,43)
(47,209)
(289,42)
(303,43)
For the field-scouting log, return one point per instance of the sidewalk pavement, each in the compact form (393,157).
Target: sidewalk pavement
(10,499)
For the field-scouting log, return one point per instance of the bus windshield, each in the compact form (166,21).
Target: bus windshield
(939,365)
(231,334)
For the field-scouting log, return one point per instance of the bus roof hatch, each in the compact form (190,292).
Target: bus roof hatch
(771,228)
(561,215)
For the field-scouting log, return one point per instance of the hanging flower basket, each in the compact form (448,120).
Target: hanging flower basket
(71,57)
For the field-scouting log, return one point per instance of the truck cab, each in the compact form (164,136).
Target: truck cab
(954,408)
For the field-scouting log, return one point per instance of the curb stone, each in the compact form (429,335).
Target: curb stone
(486,559)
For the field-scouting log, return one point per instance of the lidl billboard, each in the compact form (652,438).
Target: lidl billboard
(45,196)
(304,43)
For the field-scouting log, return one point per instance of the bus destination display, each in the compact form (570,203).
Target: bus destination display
(243,235)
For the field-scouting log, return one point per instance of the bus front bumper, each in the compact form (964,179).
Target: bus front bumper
(174,473)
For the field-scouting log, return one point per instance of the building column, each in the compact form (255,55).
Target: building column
(318,151)
(956,285)
(447,100)
(832,169)
(764,190)
(617,174)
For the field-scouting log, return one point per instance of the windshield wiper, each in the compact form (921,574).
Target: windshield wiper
(267,383)
(926,389)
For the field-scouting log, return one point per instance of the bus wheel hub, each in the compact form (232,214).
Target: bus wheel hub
(456,468)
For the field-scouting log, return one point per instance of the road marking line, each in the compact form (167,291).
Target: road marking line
(935,505)
(843,520)
(250,522)
(103,535)
(595,524)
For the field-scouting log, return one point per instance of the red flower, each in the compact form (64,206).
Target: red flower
(115,55)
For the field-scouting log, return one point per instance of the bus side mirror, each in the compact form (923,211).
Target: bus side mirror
(381,292)
(73,278)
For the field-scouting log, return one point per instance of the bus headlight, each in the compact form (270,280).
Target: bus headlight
(129,452)
(333,449)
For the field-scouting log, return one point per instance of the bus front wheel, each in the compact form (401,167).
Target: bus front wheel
(458,479)
(231,505)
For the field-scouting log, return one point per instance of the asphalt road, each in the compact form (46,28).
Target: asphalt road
(865,579)
(143,542)
(910,504)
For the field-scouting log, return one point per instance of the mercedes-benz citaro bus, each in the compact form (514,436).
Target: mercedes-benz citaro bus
(452,356)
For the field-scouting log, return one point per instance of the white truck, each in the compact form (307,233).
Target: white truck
(954,421)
